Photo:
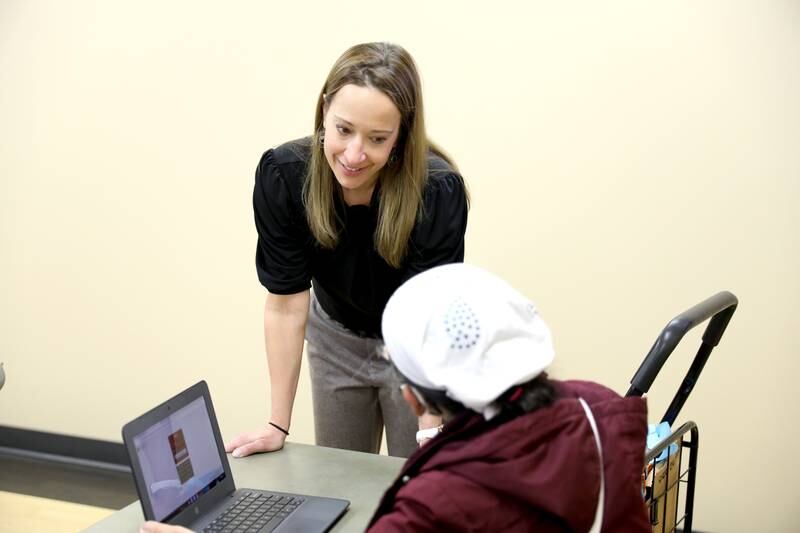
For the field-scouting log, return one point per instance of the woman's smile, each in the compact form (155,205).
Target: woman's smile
(351,172)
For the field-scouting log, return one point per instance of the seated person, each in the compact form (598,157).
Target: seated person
(518,451)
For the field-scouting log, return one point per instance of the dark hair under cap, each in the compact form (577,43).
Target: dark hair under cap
(520,399)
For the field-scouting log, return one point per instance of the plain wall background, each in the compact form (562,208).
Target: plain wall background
(626,160)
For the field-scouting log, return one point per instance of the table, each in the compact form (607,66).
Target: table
(359,477)
(22,512)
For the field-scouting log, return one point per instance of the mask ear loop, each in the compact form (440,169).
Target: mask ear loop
(419,397)
(432,409)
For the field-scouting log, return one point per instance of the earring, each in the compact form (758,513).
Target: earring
(321,137)
(393,157)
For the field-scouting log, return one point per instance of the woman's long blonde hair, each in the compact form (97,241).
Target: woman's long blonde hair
(391,70)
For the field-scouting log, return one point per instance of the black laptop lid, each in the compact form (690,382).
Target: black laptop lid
(177,456)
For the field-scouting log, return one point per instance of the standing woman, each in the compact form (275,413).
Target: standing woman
(352,211)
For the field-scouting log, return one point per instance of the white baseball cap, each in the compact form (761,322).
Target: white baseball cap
(459,329)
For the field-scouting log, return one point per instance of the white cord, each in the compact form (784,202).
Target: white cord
(598,515)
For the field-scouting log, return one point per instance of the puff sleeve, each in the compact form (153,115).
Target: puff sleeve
(438,237)
(282,259)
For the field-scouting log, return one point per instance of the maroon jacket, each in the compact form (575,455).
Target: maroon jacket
(536,472)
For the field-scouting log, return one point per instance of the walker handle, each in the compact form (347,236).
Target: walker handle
(719,308)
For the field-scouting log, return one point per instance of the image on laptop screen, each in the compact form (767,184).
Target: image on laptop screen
(179,459)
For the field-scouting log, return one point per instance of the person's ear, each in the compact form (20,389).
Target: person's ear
(413,401)
(326,103)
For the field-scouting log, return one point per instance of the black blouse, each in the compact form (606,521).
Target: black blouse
(352,282)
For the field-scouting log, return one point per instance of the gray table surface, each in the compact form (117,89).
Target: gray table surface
(361,478)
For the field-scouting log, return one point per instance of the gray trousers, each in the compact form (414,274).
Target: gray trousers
(356,392)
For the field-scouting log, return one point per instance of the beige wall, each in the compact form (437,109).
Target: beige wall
(626,159)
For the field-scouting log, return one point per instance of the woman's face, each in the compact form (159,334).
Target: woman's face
(361,128)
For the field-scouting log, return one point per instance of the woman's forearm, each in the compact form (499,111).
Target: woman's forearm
(285,319)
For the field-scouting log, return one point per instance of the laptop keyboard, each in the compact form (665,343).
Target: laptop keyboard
(254,511)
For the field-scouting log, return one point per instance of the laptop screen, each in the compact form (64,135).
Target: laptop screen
(179,459)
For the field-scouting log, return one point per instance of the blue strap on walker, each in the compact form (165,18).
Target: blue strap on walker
(655,434)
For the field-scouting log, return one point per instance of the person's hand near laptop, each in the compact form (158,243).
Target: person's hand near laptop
(156,527)
(269,439)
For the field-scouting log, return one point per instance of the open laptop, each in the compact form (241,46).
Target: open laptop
(183,477)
